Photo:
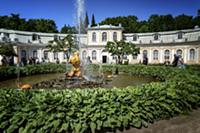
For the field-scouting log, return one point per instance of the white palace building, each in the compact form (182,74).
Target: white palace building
(158,46)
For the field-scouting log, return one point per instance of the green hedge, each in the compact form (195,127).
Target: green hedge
(85,110)
(11,71)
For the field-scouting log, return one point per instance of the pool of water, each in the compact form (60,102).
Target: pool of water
(124,80)
(121,80)
(30,80)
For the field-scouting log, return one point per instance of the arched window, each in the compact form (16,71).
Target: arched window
(23,53)
(166,54)
(155,55)
(192,54)
(55,55)
(104,51)
(35,54)
(145,53)
(94,37)
(115,36)
(104,37)
(94,55)
(64,55)
(180,35)
(125,57)
(179,52)
(84,55)
(156,36)
(46,55)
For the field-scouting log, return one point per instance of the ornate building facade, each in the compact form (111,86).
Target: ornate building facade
(159,47)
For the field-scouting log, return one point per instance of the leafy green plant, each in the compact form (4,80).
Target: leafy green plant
(90,110)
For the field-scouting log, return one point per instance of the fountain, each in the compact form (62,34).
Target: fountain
(76,70)
(80,75)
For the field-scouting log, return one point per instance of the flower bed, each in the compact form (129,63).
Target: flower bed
(85,110)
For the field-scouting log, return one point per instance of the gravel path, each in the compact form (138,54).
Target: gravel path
(181,124)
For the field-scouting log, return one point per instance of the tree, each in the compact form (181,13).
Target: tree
(198,12)
(196,21)
(183,22)
(86,21)
(129,23)
(66,45)
(42,25)
(154,23)
(167,22)
(68,29)
(143,27)
(7,50)
(93,23)
(120,49)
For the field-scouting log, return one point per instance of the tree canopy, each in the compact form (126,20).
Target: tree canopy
(119,49)
(66,45)
(7,50)
(155,23)
(68,29)
(14,22)
(93,22)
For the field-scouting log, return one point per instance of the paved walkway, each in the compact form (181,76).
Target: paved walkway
(181,124)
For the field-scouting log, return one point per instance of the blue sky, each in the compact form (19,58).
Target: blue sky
(62,11)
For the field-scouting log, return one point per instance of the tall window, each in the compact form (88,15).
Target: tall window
(180,35)
(115,36)
(94,37)
(167,54)
(192,54)
(84,54)
(55,55)
(104,37)
(156,36)
(179,52)
(125,57)
(45,55)
(145,53)
(7,35)
(34,54)
(94,55)
(155,55)
(23,53)
(135,38)
(134,57)
(64,56)
(56,37)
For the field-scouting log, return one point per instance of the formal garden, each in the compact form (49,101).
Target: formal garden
(98,109)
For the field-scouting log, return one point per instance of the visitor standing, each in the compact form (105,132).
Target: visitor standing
(175,61)
(180,63)
(145,60)
(4,61)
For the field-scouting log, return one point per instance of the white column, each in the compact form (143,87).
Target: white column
(16,59)
(197,55)
(185,53)
(100,56)
(150,55)
(161,56)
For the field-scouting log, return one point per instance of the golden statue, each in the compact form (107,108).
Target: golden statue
(76,69)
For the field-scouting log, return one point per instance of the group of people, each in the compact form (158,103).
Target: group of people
(7,61)
(177,62)
(30,61)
